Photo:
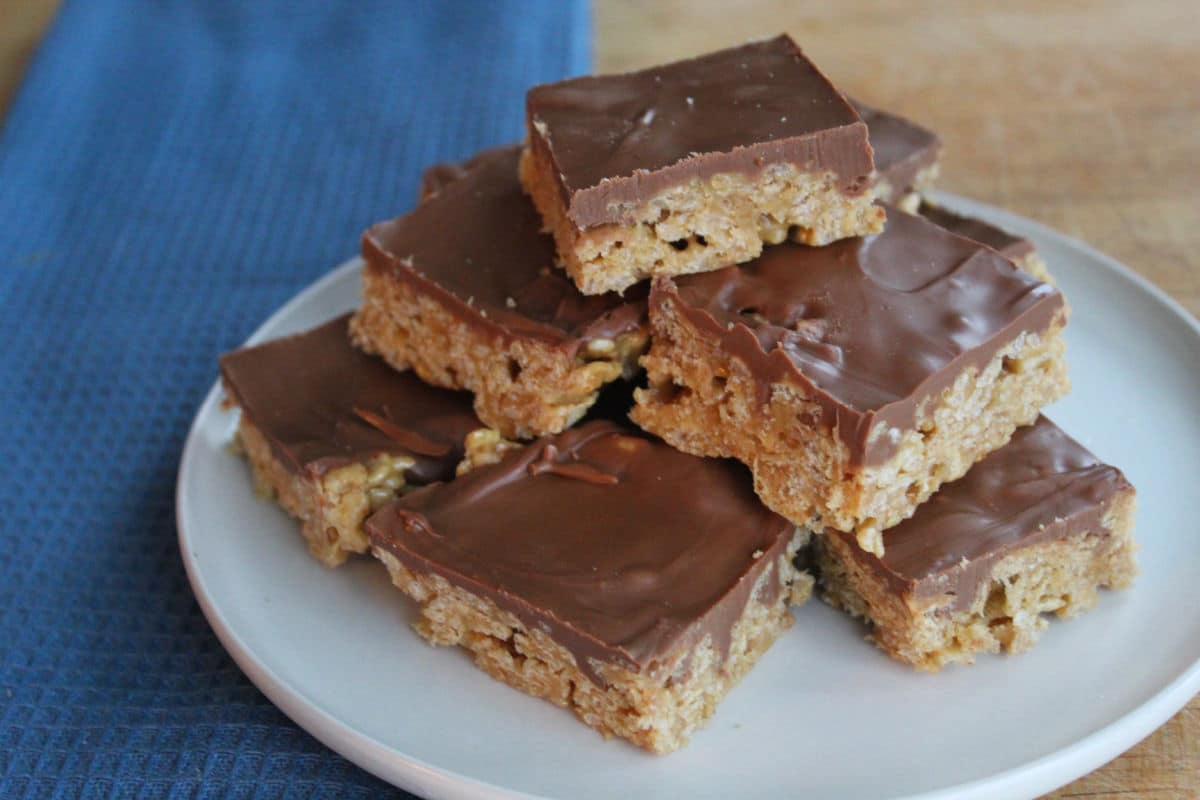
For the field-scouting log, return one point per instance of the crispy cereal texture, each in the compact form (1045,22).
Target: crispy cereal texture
(704,401)
(523,387)
(698,226)
(331,507)
(655,713)
(1060,576)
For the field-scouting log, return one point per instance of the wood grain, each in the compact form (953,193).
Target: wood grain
(1084,115)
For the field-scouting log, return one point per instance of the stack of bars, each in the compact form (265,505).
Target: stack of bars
(617,396)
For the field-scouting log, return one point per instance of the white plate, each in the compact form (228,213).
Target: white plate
(823,714)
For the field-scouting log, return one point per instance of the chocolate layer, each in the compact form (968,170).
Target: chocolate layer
(323,404)
(1013,247)
(618,140)
(866,327)
(1041,486)
(623,549)
(902,149)
(437,176)
(476,246)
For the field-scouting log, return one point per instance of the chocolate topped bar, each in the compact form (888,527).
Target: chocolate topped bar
(616,141)
(477,246)
(464,291)
(904,151)
(1042,485)
(321,404)
(619,547)
(1012,247)
(869,327)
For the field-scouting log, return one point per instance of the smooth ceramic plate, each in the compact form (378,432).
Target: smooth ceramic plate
(823,714)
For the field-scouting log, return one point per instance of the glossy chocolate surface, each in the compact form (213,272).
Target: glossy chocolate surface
(617,140)
(866,327)
(476,246)
(313,395)
(996,238)
(439,175)
(902,149)
(1041,486)
(625,550)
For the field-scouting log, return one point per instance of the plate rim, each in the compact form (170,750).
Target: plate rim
(1046,773)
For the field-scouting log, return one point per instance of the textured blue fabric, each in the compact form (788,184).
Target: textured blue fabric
(170,173)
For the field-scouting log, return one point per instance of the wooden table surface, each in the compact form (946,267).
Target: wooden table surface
(1084,115)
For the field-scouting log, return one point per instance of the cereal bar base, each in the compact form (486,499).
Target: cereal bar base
(523,388)
(702,225)
(704,401)
(910,200)
(657,714)
(1061,577)
(331,508)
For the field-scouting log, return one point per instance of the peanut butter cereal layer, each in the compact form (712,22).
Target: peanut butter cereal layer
(332,433)
(693,166)
(856,378)
(601,570)
(464,290)
(1035,528)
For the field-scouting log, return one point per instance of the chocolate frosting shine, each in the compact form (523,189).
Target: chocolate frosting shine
(476,244)
(627,550)
(868,327)
(618,140)
(307,394)
(996,238)
(1042,485)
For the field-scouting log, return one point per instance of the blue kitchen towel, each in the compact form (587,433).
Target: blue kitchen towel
(170,173)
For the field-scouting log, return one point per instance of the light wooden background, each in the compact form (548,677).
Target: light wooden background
(1084,115)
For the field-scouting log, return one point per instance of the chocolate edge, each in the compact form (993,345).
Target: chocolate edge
(964,581)
(717,622)
(752,163)
(313,469)
(854,428)
(805,152)
(507,327)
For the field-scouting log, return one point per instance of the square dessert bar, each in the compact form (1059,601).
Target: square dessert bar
(1016,249)
(464,290)
(603,571)
(906,157)
(692,166)
(1038,526)
(333,434)
(856,378)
